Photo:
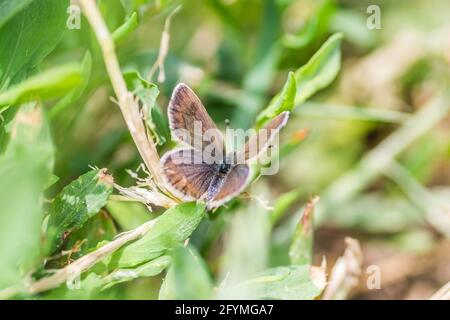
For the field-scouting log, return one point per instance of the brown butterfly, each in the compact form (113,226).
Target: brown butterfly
(215,177)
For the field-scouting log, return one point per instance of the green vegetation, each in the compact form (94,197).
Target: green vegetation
(361,196)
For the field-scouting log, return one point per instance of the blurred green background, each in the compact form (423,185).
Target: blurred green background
(377,144)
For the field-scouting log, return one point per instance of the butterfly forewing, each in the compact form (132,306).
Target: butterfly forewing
(186,175)
(191,124)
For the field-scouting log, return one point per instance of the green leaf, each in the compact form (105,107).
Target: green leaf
(9,8)
(147,93)
(29,37)
(75,204)
(320,70)
(48,84)
(87,288)
(148,269)
(25,168)
(97,229)
(75,93)
(188,277)
(282,102)
(26,39)
(171,229)
(94,285)
(125,29)
(301,282)
(301,250)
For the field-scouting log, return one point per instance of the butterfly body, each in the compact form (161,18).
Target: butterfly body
(224,168)
(217,181)
(192,173)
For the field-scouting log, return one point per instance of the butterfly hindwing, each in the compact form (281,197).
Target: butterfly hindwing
(235,182)
(187,177)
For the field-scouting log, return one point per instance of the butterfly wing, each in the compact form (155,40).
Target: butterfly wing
(189,120)
(187,177)
(259,142)
(235,182)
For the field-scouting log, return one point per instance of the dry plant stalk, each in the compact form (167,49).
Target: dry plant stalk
(126,100)
(443,293)
(81,265)
(346,271)
(163,48)
(89,260)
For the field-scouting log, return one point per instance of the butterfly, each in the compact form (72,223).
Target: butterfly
(215,177)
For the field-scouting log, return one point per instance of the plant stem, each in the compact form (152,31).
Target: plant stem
(436,211)
(81,265)
(443,293)
(127,102)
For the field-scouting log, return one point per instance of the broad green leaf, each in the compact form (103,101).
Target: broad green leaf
(48,84)
(187,278)
(171,229)
(75,93)
(302,282)
(282,102)
(26,39)
(147,93)
(88,287)
(29,37)
(94,286)
(75,204)
(25,168)
(9,8)
(320,70)
(125,29)
(148,269)
(97,229)
(301,250)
